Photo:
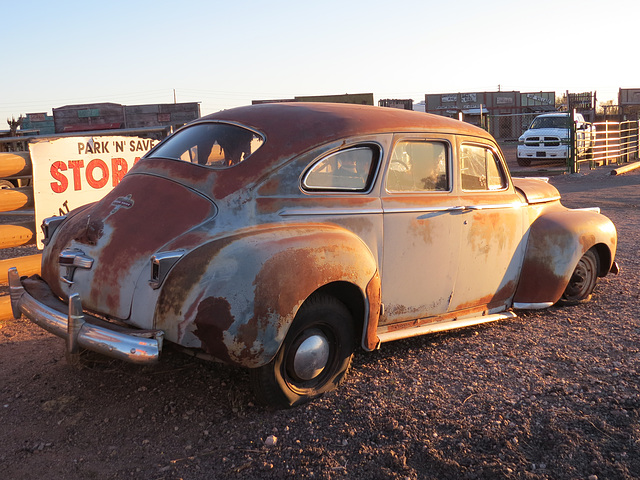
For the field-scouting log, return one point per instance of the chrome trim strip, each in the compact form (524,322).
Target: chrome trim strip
(327,211)
(75,322)
(441,326)
(16,290)
(458,208)
(532,306)
(495,206)
(587,209)
(131,345)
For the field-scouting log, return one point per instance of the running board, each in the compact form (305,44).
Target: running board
(442,326)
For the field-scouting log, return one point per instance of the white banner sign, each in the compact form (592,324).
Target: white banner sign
(73,171)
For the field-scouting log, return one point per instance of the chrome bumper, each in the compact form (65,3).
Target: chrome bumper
(33,298)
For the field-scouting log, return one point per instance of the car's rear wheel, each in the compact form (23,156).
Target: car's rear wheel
(523,162)
(314,357)
(583,280)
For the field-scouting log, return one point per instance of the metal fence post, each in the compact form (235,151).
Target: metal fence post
(572,160)
(606,143)
(638,139)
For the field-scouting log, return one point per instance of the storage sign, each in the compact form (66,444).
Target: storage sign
(73,171)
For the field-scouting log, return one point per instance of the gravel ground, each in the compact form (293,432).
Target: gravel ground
(553,394)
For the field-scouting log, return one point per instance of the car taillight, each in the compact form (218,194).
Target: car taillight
(161,263)
(50,225)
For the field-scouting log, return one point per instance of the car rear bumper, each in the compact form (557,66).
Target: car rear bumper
(33,298)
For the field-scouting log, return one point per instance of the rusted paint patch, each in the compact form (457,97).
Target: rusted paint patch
(274,271)
(282,280)
(212,320)
(74,226)
(374,295)
(557,240)
(538,283)
(92,232)
(543,277)
(128,243)
(478,310)
(492,300)
(491,231)
(185,275)
(422,229)
(187,319)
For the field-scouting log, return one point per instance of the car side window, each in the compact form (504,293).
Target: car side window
(481,169)
(418,166)
(351,169)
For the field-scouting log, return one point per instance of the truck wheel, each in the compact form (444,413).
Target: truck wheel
(523,162)
(583,280)
(314,357)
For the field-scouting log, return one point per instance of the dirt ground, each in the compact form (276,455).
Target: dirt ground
(553,394)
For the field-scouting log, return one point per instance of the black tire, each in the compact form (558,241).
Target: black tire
(583,280)
(523,162)
(323,325)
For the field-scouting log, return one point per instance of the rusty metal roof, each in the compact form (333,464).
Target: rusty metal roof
(316,123)
(293,128)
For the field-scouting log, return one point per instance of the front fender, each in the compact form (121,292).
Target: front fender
(557,241)
(237,296)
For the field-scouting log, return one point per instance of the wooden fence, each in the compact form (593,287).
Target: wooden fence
(17,222)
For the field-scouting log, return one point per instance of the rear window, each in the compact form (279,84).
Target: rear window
(216,145)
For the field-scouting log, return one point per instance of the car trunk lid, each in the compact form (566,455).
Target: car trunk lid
(102,251)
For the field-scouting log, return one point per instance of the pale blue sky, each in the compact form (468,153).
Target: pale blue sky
(225,54)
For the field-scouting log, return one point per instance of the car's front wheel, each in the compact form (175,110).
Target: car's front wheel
(583,280)
(314,357)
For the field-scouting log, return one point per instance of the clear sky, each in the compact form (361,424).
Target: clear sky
(227,53)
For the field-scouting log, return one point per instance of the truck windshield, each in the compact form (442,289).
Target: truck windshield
(216,145)
(550,122)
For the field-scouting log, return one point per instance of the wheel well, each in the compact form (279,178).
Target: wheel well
(604,256)
(352,297)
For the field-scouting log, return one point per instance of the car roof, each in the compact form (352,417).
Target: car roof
(293,128)
(322,122)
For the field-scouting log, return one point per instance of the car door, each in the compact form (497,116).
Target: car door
(421,229)
(491,231)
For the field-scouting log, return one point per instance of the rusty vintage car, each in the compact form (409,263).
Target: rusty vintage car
(282,237)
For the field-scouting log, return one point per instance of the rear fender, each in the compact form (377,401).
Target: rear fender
(236,297)
(557,241)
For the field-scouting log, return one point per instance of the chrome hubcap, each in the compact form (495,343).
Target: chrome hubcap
(311,357)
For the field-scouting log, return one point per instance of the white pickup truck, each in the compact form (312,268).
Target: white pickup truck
(548,138)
